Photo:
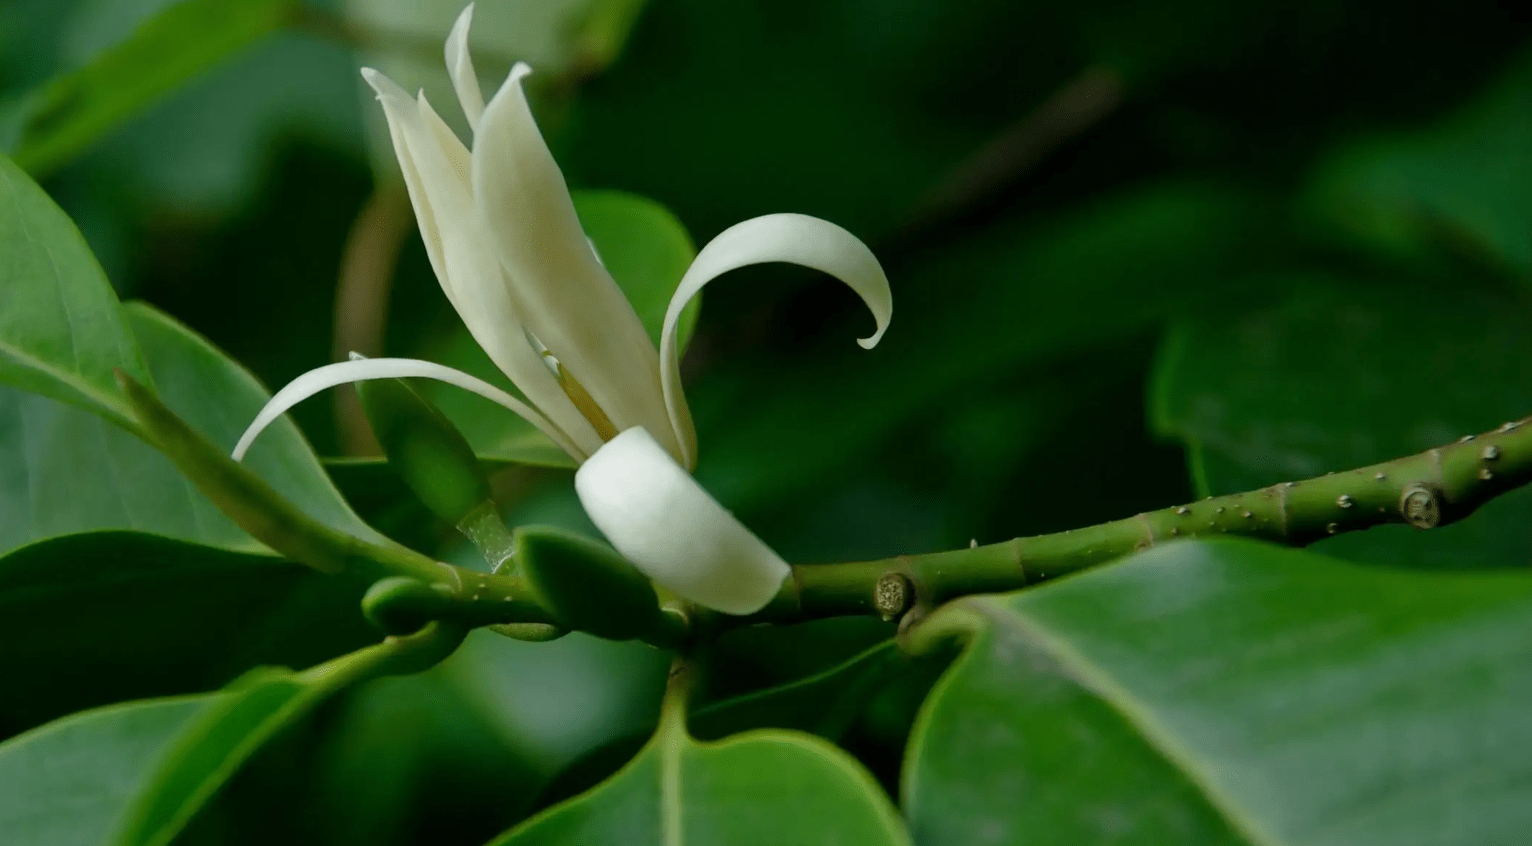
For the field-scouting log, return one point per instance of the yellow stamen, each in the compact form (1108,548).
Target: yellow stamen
(582,400)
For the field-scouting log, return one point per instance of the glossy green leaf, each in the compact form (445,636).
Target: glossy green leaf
(1463,185)
(1342,375)
(72,471)
(765,787)
(135,773)
(184,38)
(645,248)
(208,751)
(71,782)
(181,618)
(1231,692)
(61,333)
(178,755)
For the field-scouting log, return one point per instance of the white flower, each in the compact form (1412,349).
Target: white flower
(503,238)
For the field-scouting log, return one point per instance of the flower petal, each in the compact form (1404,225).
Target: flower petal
(362,370)
(562,293)
(793,238)
(435,165)
(460,68)
(397,106)
(659,518)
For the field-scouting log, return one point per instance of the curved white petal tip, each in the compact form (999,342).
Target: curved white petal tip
(361,369)
(659,518)
(460,68)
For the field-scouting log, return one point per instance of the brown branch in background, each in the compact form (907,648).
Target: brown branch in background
(361,299)
(1080,104)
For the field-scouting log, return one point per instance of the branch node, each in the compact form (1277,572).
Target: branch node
(1421,506)
(893,595)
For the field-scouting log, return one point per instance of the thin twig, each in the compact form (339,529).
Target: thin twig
(1074,108)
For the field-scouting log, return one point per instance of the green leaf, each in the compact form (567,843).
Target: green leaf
(765,787)
(1341,375)
(145,781)
(61,334)
(645,248)
(112,616)
(823,704)
(73,109)
(1231,692)
(209,750)
(135,773)
(72,471)
(1463,185)
(70,782)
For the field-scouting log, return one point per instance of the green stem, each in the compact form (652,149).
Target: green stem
(395,656)
(1427,490)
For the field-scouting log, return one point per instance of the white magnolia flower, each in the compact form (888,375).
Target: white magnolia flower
(502,236)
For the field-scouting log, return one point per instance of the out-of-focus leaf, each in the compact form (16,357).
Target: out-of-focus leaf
(1463,185)
(557,701)
(646,249)
(111,616)
(210,145)
(61,334)
(175,44)
(1344,374)
(759,787)
(1232,693)
(405,757)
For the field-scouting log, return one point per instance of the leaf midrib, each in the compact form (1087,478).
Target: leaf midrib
(1136,713)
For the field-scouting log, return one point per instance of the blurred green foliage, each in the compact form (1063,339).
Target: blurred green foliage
(1291,238)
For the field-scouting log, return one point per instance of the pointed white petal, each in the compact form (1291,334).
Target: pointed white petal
(436,167)
(399,108)
(362,370)
(793,238)
(562,293)
(460,68)
(659,518)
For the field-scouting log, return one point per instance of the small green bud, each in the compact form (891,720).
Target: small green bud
(400,605)
(428,452)
(586,585)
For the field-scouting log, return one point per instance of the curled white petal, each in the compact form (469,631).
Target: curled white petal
(362,370)
(563,295)
(792,238)
(460,68)
(659,518)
